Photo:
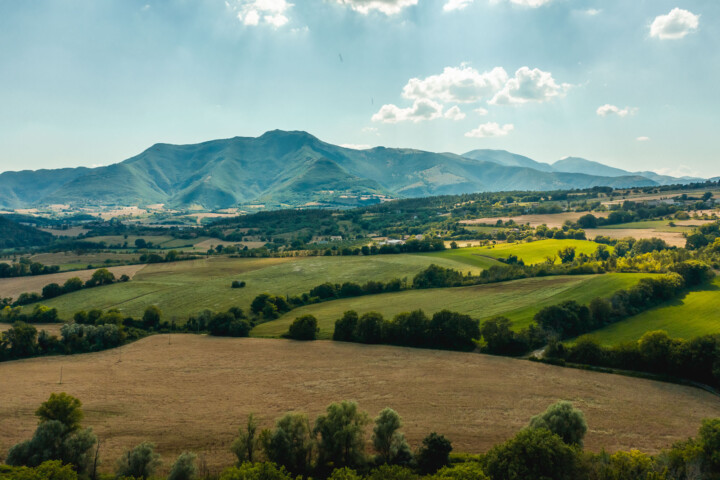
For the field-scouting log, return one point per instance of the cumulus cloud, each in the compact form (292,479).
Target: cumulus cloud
(674,25)
(608,109)
(592,12)
(490,129)
(421,110)
(451,5)
(256,12)
(454,113)
(457,85)
(643,139)
(526,3)
(529,86)
(481,111)
(388,7)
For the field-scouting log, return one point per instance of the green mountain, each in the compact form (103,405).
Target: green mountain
(283,168)
(588,167)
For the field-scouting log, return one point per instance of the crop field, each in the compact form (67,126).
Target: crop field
(552,220)
(475,400)
(674,239)
(182,288)
(531,253)
(698,313)
(518,300)
(71,260)
(12,287)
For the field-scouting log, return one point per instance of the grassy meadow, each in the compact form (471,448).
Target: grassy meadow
(698,313)
(182,288)
(518,300)
(531,253)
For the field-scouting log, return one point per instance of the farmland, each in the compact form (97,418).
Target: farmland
(530,253)
(183,288)
(518,300)
(475,400)
(13,287)
(691,316)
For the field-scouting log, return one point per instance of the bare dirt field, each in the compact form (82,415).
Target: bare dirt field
(675,239)
(12,287)
(552,220)
(188,392)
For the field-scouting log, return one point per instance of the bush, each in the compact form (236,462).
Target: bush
(238,284)
(140,462)
(184,467)
(562,420)
(434,453)
(304,328)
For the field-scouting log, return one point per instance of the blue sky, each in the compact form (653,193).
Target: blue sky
(630,83)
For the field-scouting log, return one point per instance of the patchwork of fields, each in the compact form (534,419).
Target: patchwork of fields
(518,300)
(191,392)
(183,288)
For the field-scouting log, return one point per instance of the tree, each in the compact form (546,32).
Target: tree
(22,339)
(52,290)
(434,453)
(62,407)
(72,285)
(567,255)
(388,441)
(564,421)
(602,253)
(342,435)
(345,327)
(500,339)
(184,467)
(257,471)
(462,471)
(369,328)
(588,221)
(534,453)
(103,276)
(290,444)
(304,328)
(151,317)
(245,444)
(140,462)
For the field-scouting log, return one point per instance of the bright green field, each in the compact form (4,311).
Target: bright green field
(518,300)
(659,225)
(698,313)
(183,288)
(531,253)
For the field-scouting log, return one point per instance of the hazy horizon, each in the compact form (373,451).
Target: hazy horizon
(626,85)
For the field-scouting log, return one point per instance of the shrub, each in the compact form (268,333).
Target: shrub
(184,467)
(564,421)
(434,453)
(140,462)
(304,328)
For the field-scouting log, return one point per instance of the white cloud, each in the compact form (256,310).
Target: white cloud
(451,5)
(458,85)
(674,25)
(481,111)
(255,12)
(643,139)
(608,109)
(454,113)
(526,3)
(388,7)
(490,129)
(678,171)
(422,109)
(370,130)
(354,146)
(529,86)
(592,12)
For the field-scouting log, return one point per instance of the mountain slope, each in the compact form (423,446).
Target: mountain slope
(283,168)
(588,167)
(13,235)
(508,159)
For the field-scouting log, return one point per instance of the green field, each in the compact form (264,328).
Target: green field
(518,300)
(659,225)
(698,313)
(531,253)
(183,288)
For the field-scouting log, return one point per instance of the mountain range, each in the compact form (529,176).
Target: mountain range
(293,168)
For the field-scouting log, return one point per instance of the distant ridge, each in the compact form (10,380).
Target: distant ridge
(293,168)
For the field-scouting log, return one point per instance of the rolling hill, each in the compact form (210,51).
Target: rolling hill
(285,169)
(588,167)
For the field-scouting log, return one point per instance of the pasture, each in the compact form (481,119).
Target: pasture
(552,220)
(531,253)
(189,392)
(518,300)
(13,287)
(691,316)
(182,288)
(674,239)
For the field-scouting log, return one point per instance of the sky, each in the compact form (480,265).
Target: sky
(629,83)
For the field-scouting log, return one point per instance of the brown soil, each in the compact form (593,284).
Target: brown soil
(187,392)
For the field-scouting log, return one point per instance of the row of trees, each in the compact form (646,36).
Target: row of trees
(444,330)
(334,447)
(100,277)
(25,267)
